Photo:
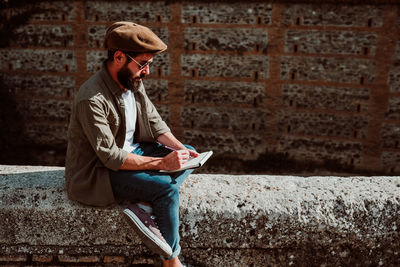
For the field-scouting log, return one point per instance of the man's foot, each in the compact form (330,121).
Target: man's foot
(148,231)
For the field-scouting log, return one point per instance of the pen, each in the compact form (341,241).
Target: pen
(170,148)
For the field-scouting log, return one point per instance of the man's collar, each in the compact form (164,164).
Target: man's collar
(111,84)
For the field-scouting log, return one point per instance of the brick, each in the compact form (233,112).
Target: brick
(197,91)
(114,259)
(391,160)
(345,70)
(46,134)
(331,42)
(78,259)
(139,11)
(233,66)
(156,89)
(315,149)
(13,258)
(225,142)
(226,13)
(325,97)
(333,15)
(317,124)
(390,136)
(44,110)
(44,36)
(39,85)
(97,33)
(143,261)
(228,118)
(393,109)
(397,52)
(42,258)
(160,64)
(226,39)
(38,60)
(394,77)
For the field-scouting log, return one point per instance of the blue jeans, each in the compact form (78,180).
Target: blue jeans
(161,190)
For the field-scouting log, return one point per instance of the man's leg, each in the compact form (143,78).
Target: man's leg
(161,190)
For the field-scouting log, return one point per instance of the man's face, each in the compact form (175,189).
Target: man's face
(133,71)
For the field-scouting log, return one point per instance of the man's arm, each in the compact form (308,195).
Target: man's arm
(168,139)
(172,161)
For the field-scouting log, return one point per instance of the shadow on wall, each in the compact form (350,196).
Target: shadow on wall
(281,164)
(15,146)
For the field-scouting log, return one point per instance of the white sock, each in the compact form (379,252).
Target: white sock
(146,208)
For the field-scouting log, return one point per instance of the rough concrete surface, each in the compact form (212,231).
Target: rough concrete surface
(226,220)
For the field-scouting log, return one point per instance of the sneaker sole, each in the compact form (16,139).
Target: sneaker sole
(148,237)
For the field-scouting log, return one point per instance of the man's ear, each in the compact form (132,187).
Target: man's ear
(119,57)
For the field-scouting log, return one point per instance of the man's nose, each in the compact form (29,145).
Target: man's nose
(146,70)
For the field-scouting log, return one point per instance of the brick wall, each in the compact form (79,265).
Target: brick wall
(270,87)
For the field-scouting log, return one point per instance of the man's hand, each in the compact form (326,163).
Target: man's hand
(176,159)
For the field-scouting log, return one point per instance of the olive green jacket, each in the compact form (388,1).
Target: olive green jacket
(96,135)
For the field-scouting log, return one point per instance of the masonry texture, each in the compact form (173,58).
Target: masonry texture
(270,86)
(226,220)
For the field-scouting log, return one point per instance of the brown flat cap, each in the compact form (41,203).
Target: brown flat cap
(132,37)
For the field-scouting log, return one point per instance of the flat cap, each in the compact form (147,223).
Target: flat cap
(132,37)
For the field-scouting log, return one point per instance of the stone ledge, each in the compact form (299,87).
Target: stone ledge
(226,220)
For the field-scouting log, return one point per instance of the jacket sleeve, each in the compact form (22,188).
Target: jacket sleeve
(157,125)
(95,126)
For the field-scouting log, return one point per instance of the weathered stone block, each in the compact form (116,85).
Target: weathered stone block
(391,161)
(197,91)
(44,36)
(317,124)
(236,39)
(317,97)
(156,89)
(393,109)
(334,15)
(225,142)
(138,11)
(315,149)
(54,10)
(390,135)
(164,111)
(38,60)
(44,109)
(394,77)
(249,66)
(159,67)
(46,134)
(330,42)
(38,85)
(345,70)
(96,34)
(228,118)
(226,13)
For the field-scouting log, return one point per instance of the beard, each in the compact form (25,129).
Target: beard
(126,78)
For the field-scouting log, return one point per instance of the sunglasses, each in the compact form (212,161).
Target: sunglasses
(141,66)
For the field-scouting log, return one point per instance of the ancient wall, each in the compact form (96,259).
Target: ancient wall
(279,87)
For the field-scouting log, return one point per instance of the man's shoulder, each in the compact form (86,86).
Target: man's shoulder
(92,89)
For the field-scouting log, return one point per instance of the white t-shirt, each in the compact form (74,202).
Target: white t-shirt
(130,117)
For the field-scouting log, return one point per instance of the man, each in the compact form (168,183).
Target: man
(117,143)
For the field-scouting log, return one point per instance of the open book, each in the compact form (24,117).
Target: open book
(193,163)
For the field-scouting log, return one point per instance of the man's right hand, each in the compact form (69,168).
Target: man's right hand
(175,160)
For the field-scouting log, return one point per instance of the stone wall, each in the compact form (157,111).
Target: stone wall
(283,87)
(226,220)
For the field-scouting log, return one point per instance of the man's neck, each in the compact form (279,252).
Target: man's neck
(113,73)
